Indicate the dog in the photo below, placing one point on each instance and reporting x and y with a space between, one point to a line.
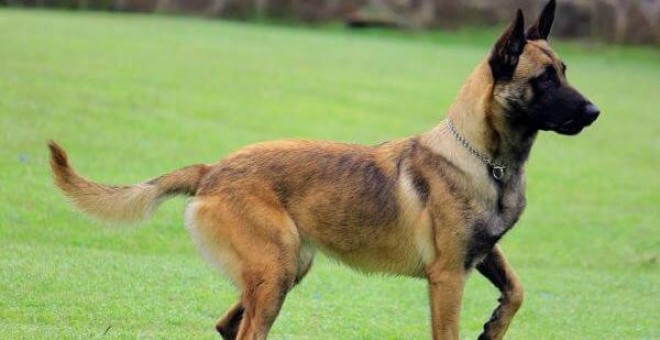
431 206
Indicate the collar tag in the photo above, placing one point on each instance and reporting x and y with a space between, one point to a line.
498 172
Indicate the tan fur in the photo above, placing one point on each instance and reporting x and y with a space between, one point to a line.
413 206
118 203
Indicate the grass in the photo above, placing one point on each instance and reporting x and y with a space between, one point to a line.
134 96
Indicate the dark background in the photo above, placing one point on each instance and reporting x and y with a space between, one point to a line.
618 21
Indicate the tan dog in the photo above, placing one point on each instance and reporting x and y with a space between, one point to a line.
431 206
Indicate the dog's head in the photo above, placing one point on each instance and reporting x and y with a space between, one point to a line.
530 82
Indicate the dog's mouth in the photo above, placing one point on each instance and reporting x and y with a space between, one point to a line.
569 127
572 126
570 123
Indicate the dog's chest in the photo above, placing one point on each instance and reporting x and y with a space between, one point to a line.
492 221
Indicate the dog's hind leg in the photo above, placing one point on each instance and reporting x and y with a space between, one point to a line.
263 296
495 268
229 323
257 245
265 288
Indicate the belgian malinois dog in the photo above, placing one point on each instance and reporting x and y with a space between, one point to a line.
431 206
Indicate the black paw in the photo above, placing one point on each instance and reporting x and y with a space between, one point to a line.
483 336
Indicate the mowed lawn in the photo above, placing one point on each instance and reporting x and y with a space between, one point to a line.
131 97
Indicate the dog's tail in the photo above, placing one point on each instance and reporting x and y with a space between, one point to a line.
121 203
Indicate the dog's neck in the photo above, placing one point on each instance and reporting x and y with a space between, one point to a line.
483 124
481 121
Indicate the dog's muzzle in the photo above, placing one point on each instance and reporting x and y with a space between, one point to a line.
588 114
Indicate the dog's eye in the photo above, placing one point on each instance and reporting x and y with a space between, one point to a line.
548 78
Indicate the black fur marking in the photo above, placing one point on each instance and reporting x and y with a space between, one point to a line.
421 184
345 162
487 326
449 173
556 106
548 79
58 156
419 181
231 330
481 242
377 191
507 50
372 188
493 135
283 193
439 162
492 269
541 29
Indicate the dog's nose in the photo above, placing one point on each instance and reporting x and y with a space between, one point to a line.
591 111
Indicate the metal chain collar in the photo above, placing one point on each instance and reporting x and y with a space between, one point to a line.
497 169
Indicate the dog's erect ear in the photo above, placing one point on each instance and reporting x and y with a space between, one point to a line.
508 48
541 29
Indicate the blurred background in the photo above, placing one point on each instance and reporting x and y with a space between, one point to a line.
135 88
620 21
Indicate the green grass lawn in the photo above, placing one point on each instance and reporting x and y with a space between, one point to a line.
132 97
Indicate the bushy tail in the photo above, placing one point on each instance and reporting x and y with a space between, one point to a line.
121 203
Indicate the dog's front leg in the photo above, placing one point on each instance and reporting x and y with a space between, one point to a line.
446 283
495 268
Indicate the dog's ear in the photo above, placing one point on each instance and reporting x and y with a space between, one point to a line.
541 29
508 48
